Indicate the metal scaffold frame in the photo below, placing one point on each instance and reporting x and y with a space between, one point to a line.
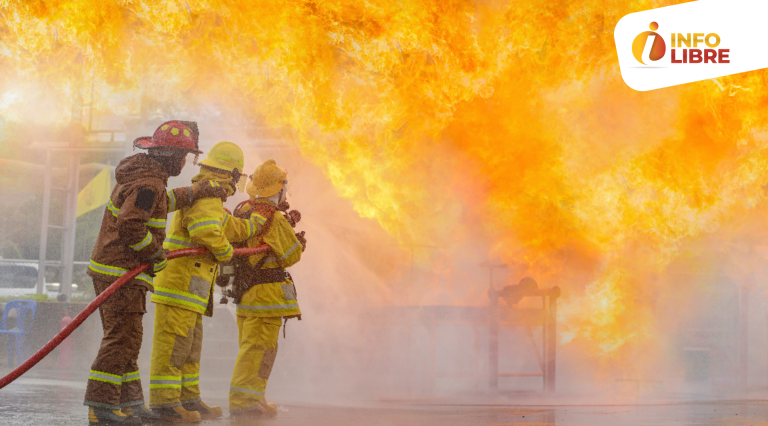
69 226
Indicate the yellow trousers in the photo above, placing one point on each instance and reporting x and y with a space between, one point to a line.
176 346
258 349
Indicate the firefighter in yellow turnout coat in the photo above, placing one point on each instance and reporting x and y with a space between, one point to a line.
184 290
271 295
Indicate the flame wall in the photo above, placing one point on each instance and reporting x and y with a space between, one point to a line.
496 124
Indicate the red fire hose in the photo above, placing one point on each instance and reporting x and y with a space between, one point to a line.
66 331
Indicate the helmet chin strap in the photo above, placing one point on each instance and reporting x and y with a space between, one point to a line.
277 198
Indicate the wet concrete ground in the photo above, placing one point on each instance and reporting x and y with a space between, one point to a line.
50 398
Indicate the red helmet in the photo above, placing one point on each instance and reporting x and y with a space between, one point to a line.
171 134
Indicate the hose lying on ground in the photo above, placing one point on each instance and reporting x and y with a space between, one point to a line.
45 350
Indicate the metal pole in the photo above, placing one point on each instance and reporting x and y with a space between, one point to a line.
744 339
544 340
550 341
409 360
493 328
68 254
44 223
493 336
432 371
493 344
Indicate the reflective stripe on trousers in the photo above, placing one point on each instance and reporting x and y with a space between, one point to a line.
252 392
129 377
268 307
190 379
255 358
165 382
105 377
176 349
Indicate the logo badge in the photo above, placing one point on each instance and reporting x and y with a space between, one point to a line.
692 41
649 46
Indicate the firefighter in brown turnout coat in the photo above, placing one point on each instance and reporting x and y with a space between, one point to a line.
132 232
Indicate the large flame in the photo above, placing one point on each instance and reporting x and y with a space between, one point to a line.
444 120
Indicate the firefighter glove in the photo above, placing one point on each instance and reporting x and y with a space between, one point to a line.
293 217
302 240
207 189
158 262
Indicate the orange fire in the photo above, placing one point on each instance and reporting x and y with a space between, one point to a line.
499 121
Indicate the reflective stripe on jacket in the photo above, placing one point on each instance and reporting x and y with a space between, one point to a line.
273 299
152 222
114 271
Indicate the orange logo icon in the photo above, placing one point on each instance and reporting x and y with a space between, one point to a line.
658 47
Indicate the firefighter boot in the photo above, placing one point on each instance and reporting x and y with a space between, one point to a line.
178 414
104 416
266 409
269 409
205 411
142 412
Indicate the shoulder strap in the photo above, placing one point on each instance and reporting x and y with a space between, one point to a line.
266 228
262 209
238 212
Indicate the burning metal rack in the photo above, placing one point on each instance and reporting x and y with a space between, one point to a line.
491 318
545 317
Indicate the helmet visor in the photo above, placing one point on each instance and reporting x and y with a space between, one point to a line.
287 187
240 180
286 184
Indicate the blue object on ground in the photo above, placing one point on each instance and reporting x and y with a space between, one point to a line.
20 330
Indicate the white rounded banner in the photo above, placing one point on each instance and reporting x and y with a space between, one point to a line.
691 42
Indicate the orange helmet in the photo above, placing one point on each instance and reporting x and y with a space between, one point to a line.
171 134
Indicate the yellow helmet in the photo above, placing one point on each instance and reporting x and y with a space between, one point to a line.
267 180
225 156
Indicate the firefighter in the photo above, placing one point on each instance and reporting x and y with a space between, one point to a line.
184 290
263 290
132 232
